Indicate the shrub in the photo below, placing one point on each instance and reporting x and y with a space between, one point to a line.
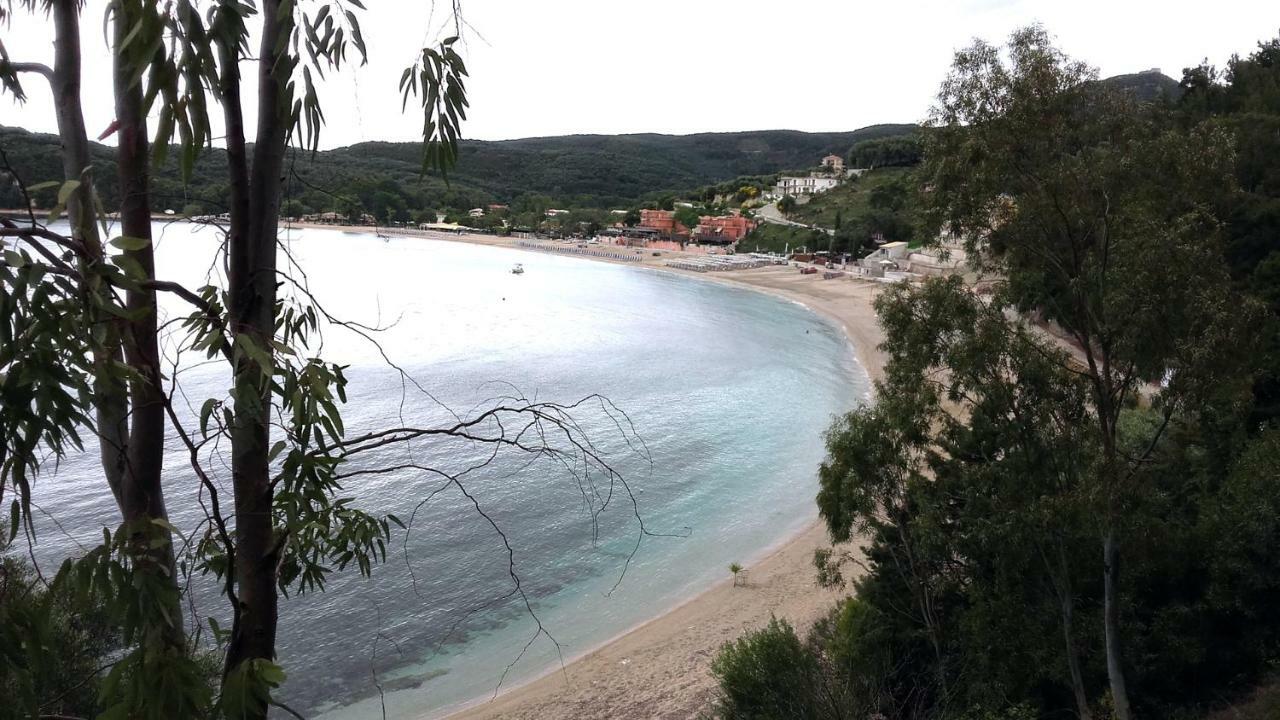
74 632
767 674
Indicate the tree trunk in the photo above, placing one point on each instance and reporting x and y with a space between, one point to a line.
237 158
1111 625
253 296
110 396
1108 418
925 603
1073 655
142 495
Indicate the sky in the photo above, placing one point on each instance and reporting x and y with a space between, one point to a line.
558 67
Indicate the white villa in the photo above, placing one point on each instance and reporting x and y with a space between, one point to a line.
811 185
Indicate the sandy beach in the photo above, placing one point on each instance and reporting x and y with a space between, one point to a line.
661 669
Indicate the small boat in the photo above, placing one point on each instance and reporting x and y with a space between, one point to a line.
518 269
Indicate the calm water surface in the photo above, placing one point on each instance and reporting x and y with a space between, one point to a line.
729 390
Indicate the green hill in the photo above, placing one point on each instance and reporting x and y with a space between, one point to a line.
1147 86
573 170
586 171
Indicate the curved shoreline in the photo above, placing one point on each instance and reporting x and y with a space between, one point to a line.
660 667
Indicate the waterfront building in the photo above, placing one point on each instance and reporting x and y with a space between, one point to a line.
722 230
663 221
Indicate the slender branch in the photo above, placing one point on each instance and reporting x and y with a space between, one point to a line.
216 515
286 708
22 188
33 67
43 233
83 681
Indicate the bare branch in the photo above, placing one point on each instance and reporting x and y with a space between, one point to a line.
32 67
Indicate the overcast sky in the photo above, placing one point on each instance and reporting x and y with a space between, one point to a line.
555 67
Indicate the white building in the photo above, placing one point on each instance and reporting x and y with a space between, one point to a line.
890 251
811 185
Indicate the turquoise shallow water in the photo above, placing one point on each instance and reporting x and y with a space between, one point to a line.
729 390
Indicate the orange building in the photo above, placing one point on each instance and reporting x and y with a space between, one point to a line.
725 229
664 221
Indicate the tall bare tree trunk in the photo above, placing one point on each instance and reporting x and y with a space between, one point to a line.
110 395
237 156
142 494
1111 625
253 296
1104 395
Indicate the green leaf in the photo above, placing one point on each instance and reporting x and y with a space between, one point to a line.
164 523
246 690
14 258
124 242
271 673
133 33
131 267
206 411
64 192
42 186
255 353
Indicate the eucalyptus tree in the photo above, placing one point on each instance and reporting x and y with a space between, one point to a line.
1087 210
79 343
967 473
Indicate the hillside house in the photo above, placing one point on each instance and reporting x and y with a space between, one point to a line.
811 185
834 163
891 251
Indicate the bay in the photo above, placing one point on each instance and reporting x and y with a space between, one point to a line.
716 399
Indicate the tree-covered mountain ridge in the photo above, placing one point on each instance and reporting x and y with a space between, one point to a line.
600 171
581 170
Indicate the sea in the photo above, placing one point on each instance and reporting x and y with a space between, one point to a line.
703 405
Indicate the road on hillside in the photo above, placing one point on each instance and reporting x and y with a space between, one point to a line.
771 214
